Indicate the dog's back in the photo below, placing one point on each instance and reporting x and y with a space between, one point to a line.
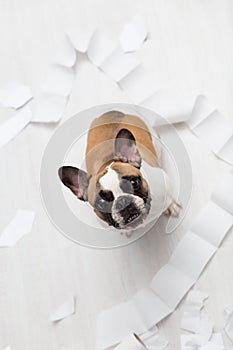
102 133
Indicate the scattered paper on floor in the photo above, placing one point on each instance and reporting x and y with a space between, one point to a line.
20 225
196 320
100 48
138 84
118 65
215 342
66 53
133 34
12 127
64 310
15 94
172 108
50 108
80 38
132 342
59 80
228 326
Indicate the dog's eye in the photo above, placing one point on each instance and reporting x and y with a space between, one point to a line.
136 182
101 204
130 184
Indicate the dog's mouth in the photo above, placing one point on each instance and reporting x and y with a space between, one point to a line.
132 217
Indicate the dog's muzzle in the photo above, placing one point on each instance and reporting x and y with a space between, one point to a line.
129 211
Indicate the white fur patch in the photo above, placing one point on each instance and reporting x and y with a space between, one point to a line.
110 181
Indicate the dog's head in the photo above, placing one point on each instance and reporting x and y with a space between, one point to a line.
118 192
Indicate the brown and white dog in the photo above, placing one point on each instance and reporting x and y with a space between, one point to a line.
113 183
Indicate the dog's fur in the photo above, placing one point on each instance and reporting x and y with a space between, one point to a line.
113 184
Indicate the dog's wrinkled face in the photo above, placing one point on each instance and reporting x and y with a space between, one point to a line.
118 193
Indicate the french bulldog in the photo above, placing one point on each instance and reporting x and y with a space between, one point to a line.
113 183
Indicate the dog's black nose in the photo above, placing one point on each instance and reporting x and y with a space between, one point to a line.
123 202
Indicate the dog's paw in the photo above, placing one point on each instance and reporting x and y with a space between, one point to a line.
173 209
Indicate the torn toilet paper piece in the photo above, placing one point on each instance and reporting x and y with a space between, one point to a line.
172 108
221 131
223 192
65 310
226 152
132 342
196 320
7 348
50 108
153 303
52 100
201 110
12 127
66 54
204 118
133 34
215 342
138 84
59 80
20 225
228 326
80 38
118 64
156 342
100 47
213 223
15 95
195 301
148 334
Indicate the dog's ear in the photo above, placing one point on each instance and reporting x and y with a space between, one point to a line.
126 148
75 179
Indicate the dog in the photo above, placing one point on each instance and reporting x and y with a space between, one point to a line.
113 184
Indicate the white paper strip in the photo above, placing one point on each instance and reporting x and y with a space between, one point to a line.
223 192
14 125
133 34
59 80
228 326
65 310
169 278
215 342
15 95
201 110
212 128
50 108
66 54
7 348
116 323
213 223
196 321
132 342
17 228
138 84
150 307
172 108
80 39
191 255
157 342
214 131
195 302
150 333
226 152
118 64
100 47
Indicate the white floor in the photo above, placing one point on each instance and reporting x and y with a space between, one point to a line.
190 51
